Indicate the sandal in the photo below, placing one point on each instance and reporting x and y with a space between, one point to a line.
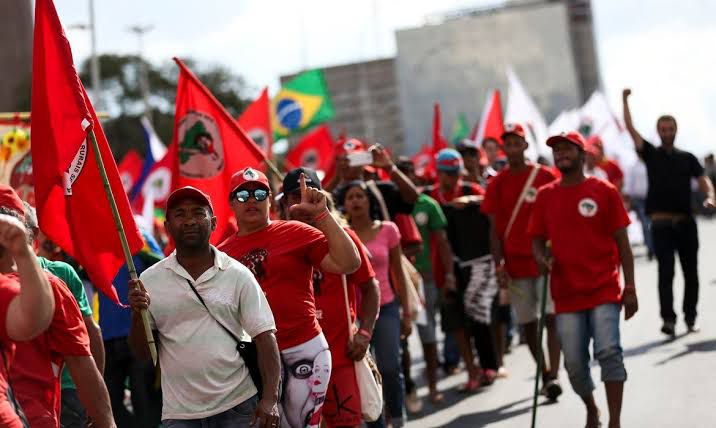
471 386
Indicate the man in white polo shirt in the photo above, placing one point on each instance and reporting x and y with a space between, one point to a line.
204 380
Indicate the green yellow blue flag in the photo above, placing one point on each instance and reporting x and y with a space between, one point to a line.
460 130
301 103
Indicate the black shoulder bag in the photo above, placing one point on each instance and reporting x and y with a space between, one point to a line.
247 350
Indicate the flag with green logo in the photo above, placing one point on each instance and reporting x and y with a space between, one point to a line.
302 102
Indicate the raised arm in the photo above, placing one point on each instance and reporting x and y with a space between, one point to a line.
635 136
31 311
381 159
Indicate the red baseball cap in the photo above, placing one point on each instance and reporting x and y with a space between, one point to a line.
352 145
248 175
9 199
513 128
595 141
188 192
573 137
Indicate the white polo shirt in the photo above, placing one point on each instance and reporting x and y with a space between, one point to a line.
202 372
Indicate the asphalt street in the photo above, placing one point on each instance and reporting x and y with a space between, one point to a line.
671 382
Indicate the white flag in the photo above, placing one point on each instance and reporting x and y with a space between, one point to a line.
522 109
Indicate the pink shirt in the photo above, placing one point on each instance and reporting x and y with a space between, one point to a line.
387 238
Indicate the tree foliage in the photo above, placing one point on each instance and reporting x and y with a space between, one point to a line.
122 96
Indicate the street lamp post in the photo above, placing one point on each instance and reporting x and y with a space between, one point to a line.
140 31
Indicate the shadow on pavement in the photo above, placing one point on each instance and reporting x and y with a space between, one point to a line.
487 417
703 346
647 347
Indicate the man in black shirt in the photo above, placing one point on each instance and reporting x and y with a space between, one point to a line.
668 204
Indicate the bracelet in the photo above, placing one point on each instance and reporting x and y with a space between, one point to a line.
321 216
365 333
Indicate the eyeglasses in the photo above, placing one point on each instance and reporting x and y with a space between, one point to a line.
243 195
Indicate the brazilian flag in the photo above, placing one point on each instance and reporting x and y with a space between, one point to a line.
301 103
460 130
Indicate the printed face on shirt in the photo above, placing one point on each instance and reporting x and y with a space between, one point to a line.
320 377
567 157
251 213
357 202
190 224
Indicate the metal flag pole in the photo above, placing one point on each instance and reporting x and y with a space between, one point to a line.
540 333
123 239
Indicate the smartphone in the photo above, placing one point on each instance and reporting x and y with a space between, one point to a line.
360 159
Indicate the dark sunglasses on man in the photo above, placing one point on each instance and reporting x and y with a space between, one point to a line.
243 195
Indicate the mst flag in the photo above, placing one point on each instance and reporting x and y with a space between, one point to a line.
315 150
256 122
439 141
302 102
130 169
209 146
71 204
491 124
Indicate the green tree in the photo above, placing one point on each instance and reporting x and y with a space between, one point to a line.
122 96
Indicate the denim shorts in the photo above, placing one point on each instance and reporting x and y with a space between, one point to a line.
576 329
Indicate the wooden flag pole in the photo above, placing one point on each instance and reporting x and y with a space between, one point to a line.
273 168
123 239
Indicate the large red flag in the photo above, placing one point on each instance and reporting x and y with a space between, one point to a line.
315 150
439 142
158 183
256 121
209 146
71 203
130 168
491 124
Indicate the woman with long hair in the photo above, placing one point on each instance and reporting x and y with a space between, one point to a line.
382 239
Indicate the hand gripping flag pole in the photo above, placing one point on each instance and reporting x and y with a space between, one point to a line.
123 239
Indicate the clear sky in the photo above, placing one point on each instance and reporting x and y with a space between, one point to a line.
662 49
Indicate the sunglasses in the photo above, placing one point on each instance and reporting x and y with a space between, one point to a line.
243 195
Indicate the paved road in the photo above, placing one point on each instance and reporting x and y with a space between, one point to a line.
672 383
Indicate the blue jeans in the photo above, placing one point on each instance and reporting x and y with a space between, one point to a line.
386 346
576 330
239 416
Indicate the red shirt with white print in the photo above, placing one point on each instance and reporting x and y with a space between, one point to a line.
502 194
580 221
282 257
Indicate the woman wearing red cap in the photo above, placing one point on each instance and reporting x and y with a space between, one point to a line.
282 255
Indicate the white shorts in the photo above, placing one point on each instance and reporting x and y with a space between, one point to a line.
526 297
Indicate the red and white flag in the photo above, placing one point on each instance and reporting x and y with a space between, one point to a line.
71 204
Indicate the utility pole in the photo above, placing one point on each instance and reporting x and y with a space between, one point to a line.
94 59
140 31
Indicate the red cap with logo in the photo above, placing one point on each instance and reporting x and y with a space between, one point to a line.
188 192
351 145
248 175
9 199
573 137
513 128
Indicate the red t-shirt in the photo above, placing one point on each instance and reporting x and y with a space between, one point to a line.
614 173
445 197
331 306
282 257
580 221
500 199
35 373
9 289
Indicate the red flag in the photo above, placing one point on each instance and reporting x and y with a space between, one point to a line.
256 121
315 150
209 146
491 124
158 182
439 142
423 161
129 169
72 207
